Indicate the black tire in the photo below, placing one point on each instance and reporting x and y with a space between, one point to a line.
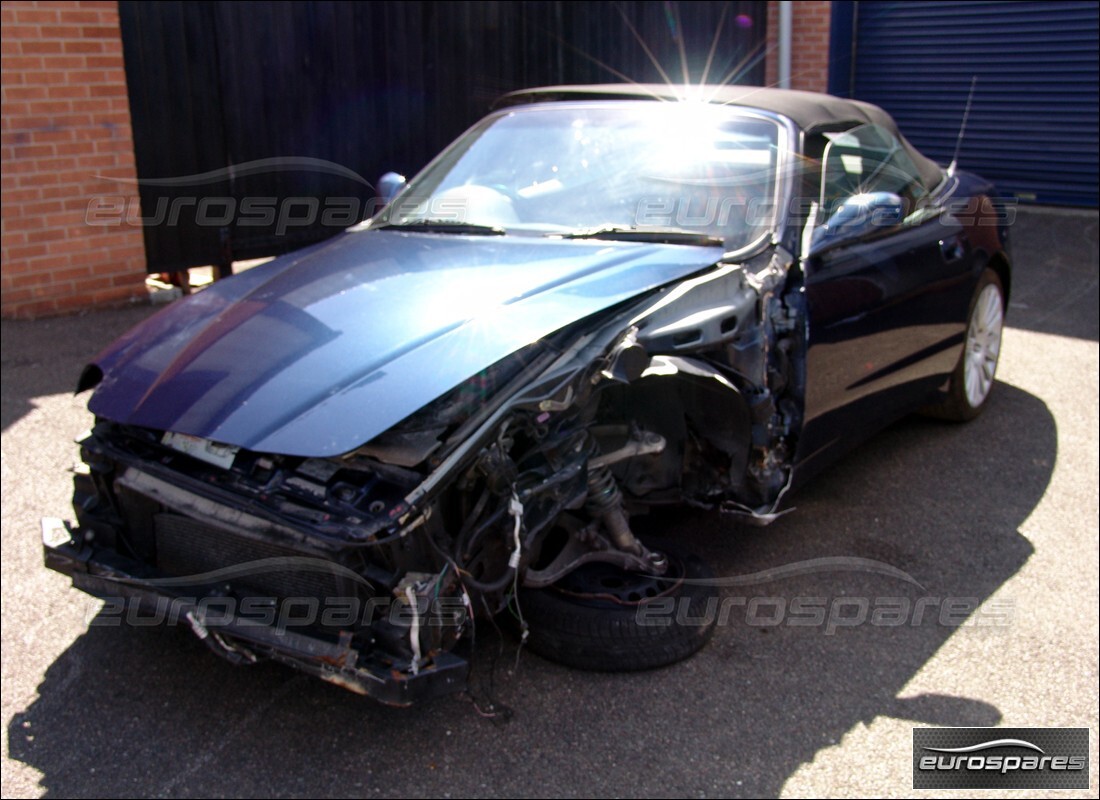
981 349
641 622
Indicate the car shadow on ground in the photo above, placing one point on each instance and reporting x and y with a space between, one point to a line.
128 711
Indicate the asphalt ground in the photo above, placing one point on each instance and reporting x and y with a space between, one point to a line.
995 521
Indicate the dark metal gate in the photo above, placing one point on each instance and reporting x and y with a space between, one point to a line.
1033 124
260 127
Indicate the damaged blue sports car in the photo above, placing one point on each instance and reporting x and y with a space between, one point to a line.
597 300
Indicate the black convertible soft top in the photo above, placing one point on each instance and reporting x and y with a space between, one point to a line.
810 111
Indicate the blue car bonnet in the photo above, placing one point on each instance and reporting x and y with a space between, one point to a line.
318 352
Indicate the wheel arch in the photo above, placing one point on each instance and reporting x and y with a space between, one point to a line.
998 262
687 402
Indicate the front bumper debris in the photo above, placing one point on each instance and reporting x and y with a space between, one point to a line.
104 573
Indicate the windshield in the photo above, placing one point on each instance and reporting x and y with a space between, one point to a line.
604 169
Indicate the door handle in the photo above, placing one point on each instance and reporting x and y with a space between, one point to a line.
952 249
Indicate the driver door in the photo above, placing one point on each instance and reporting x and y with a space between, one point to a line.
885 298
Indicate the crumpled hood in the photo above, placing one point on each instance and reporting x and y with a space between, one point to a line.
318 352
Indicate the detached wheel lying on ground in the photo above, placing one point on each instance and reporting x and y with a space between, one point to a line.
602 618
972 380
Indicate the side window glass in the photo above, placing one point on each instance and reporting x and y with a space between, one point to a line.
865 160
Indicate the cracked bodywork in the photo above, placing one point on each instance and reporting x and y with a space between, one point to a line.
435 423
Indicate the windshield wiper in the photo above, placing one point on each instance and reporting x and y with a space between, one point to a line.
655 235
441 226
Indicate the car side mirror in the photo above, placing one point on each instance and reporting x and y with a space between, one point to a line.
858 216
389 185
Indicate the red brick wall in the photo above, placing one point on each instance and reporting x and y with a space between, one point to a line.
809 45
65 128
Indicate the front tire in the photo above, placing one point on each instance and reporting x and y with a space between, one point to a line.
972 381
604 619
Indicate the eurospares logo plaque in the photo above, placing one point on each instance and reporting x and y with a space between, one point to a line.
1000 758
